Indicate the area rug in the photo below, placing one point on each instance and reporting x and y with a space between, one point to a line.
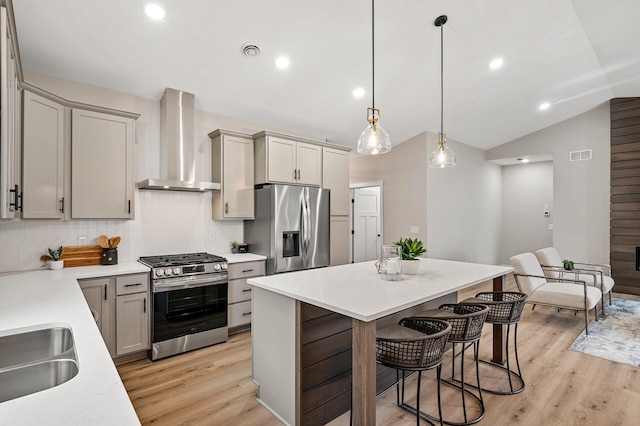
617 337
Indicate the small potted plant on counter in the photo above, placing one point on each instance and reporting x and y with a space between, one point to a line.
234 246
410 250
56 262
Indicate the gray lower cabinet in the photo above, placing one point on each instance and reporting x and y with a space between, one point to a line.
120 306
132 313
99 295
239 314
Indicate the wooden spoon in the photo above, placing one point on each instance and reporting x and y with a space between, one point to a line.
113 242
103 241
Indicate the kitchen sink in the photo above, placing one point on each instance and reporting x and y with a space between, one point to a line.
34 346
33 361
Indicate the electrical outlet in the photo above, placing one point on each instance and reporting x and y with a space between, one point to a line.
414 229
212 236
551 227
81 241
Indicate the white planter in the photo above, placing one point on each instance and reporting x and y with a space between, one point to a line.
56 264
410 267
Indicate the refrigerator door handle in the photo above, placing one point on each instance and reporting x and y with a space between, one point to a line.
305 228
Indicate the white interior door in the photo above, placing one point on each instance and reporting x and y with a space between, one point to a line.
367 230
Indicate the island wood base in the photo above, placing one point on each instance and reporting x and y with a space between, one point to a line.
321 367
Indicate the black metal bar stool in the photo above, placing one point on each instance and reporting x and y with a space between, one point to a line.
414 344
505 307
466 328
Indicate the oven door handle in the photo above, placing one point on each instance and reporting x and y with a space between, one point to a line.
191 283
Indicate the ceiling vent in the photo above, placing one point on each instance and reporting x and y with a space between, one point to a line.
580 155
250 49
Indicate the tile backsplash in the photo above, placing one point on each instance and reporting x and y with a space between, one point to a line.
166 222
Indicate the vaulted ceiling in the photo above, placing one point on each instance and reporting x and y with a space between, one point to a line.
574 54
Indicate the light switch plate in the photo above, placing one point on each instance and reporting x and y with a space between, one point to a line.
414 229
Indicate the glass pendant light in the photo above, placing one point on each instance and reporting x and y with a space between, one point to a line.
374 139
443 156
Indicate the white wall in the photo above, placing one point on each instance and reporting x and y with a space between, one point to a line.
464 206
457 209
580 189
165 222
526 189
404 176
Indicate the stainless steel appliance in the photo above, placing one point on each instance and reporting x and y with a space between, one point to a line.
291 227
189 302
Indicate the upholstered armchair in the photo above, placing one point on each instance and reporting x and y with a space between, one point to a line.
594 274
561 292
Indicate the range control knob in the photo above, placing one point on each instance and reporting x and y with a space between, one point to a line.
224 266
159 272
168 271
216 267
176 271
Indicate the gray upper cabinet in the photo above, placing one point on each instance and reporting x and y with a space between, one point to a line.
43 158
232 166
10 124
101 166
287 159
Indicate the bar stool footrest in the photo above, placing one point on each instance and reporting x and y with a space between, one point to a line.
513 374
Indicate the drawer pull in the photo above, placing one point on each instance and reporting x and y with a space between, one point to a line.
133 285
246 313
247 270
246 289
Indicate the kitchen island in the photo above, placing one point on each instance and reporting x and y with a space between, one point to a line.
299 317
95 396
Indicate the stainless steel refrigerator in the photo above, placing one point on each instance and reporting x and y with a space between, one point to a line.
291 227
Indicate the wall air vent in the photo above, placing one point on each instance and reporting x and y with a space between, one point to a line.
585 154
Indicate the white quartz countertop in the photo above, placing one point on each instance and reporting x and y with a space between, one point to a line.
96 395
242 257
356 290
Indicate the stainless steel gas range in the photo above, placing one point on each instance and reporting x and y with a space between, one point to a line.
189 302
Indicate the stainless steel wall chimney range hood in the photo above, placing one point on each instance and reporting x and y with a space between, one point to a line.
177 146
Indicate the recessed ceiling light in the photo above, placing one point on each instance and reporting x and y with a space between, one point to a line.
544 106
154 11
496 63
358 92
282 62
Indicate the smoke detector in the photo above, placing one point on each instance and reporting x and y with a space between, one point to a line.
250 49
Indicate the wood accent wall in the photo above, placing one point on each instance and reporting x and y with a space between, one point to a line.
625 193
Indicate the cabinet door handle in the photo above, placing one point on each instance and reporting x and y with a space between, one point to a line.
246 270
62 205
133 285
144 305
246 289
129 208
105 292
298 174
246 313
226 207
16 198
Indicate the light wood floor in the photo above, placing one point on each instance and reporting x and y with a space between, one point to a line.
212 386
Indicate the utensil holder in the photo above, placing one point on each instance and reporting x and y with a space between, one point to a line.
109 256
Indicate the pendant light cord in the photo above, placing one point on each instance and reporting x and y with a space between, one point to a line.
441 78
373 56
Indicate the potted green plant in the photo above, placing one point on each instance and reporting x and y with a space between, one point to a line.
234 246
568 264
56 254
410 249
